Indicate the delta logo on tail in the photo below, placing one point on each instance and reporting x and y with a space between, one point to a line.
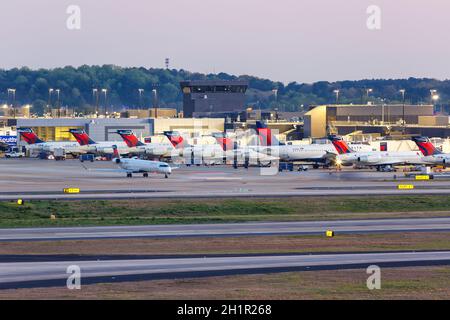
175 138
426 146
225 142
130 138
340 145
29 136
265 135
82 137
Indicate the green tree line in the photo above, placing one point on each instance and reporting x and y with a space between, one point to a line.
122 84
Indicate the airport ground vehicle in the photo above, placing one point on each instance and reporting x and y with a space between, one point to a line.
289 166
14 154
59 154
87 157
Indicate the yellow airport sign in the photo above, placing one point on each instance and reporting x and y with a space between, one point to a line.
423 177
405 187
20 202
329 233
71 190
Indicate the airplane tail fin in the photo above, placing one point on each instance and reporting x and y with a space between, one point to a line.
265 135
82 137
29 136
176 139
340 145
225 142
426 146
130 138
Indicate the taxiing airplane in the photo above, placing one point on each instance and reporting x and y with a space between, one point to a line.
135 165
431 154
382 160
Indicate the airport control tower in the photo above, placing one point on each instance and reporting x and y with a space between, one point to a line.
208 97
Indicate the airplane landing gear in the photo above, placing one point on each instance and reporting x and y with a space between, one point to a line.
145 175
166 176
129 175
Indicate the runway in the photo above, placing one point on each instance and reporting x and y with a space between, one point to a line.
36 274
35 179
231 229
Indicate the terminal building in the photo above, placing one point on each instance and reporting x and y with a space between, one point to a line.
213 98
375 119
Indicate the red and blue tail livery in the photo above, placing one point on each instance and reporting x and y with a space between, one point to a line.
82 137
29 136
175 138
426 146
225 142
340 145
265 135
130 138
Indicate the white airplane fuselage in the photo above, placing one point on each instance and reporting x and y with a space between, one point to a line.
68 146
134 165
382 158
309 152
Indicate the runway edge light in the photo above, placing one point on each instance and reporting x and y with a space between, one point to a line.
329 233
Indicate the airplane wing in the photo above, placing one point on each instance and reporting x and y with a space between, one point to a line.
107 170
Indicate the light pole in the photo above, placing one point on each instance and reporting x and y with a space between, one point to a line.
105 92
368 91
58 107
95 100
141 92
49 104
13 93
155 102
434 97
336 92
403 92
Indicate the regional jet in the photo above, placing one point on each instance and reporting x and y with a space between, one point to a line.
382 160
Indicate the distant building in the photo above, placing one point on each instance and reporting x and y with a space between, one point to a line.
207 97
371 119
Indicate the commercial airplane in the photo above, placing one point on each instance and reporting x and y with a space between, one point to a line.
239 154
382 160
431 154
134 165
224 150
36 144
196 154
104 147
152 149
317 154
